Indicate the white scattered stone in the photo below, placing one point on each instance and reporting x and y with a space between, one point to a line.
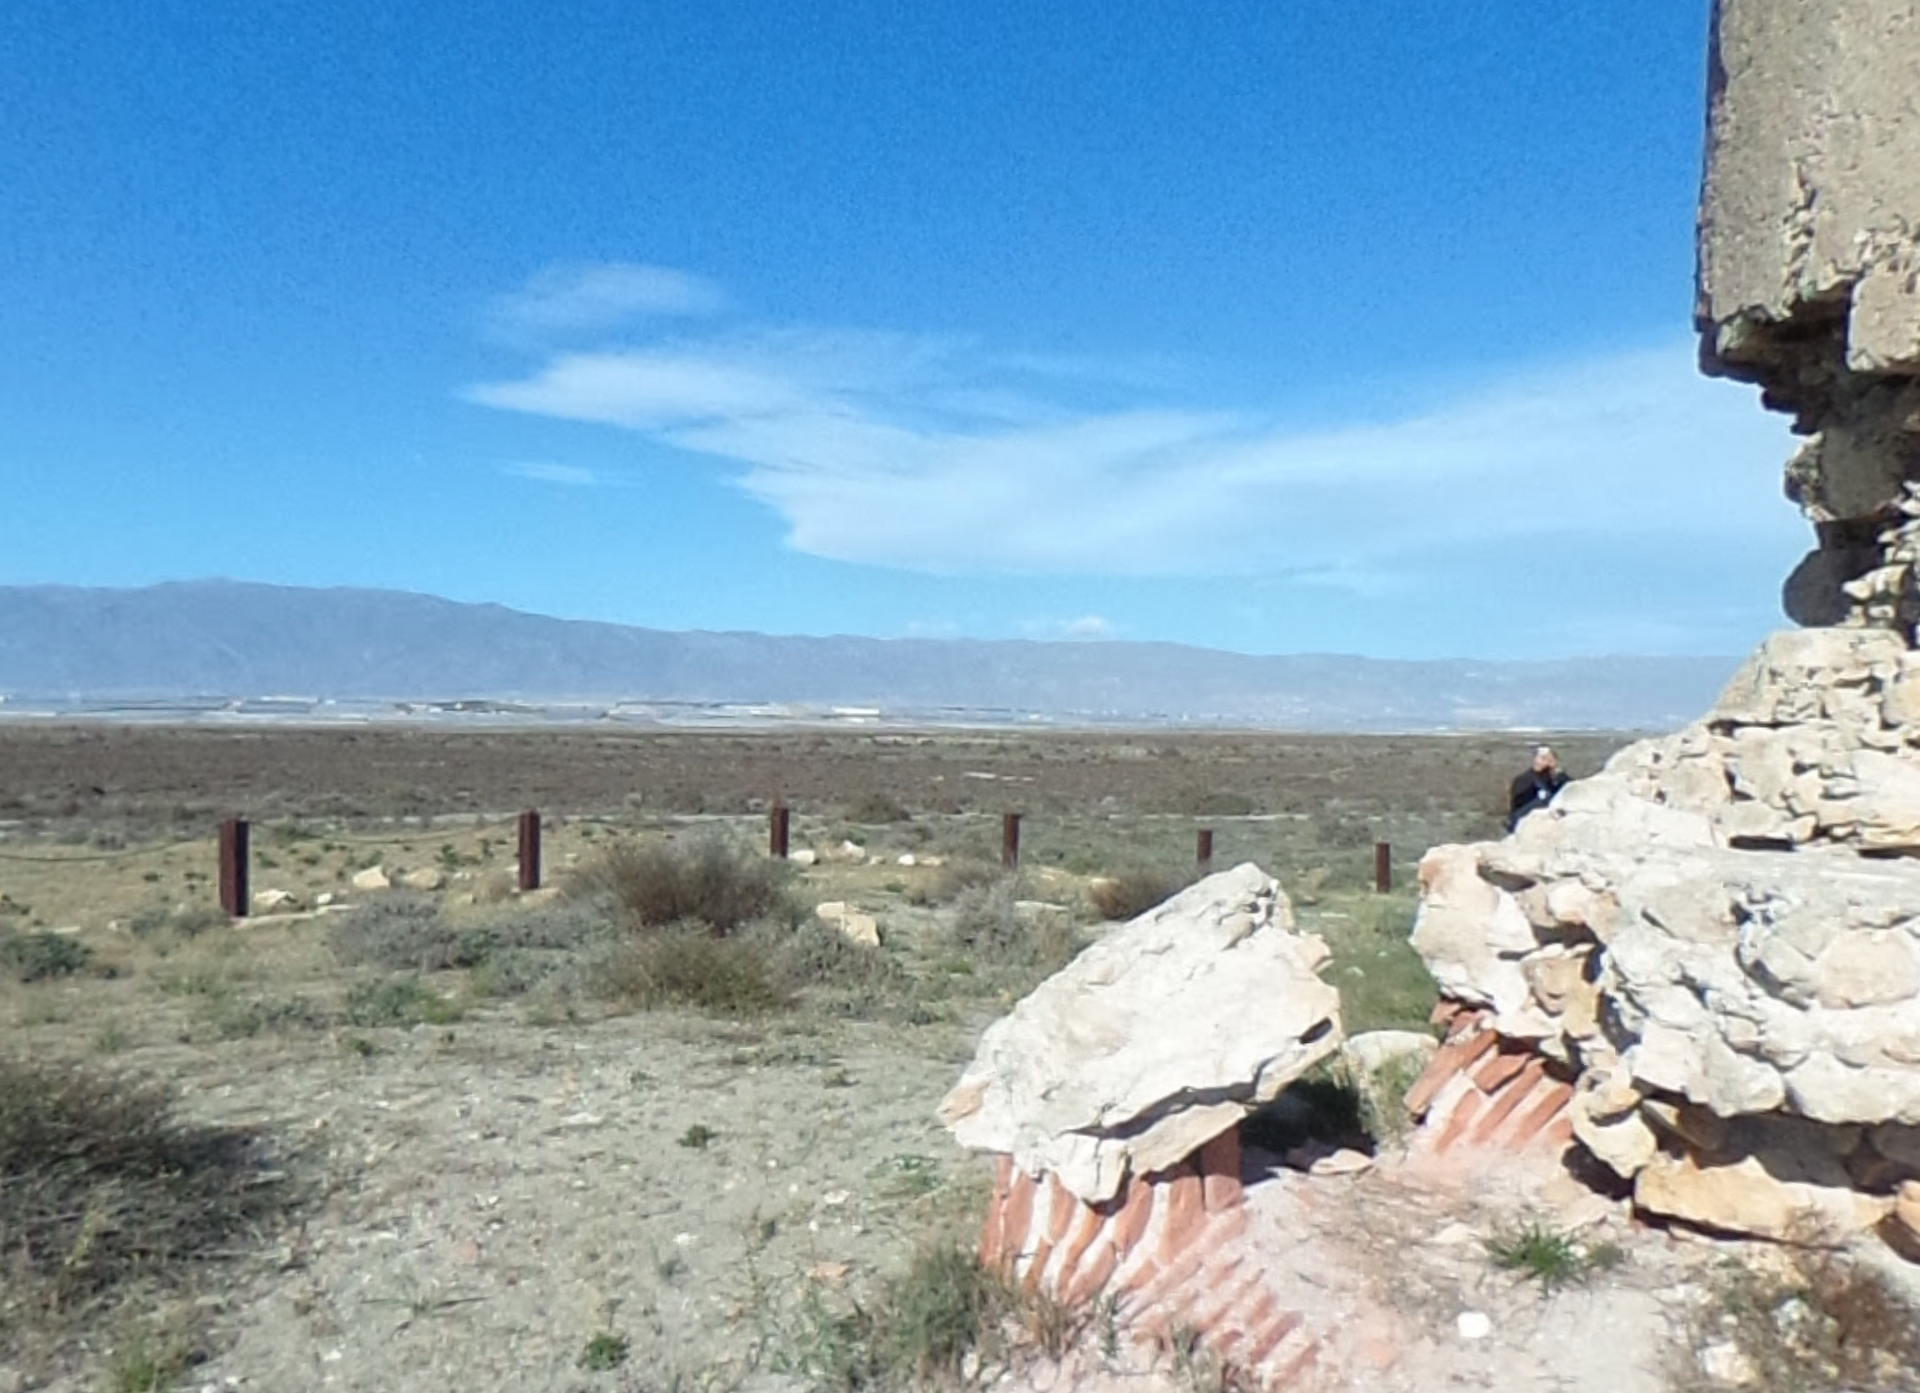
269 900
906 858
323 899
1345 1161
1474 1325
372 878
805 856
1726 1364
425 878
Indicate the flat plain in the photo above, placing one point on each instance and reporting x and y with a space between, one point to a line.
507 1145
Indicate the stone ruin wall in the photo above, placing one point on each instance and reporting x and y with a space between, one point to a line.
1809 274
1716 941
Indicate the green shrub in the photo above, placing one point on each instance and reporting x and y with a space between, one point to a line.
36 957
708 880
401 1001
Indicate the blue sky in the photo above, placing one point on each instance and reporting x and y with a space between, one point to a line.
1286 326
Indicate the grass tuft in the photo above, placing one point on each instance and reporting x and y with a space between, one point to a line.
104 1191
1549 1256
605 1351
916 1329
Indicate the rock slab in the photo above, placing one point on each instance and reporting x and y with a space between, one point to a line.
1153 1041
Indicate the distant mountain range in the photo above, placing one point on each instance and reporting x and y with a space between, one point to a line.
225 638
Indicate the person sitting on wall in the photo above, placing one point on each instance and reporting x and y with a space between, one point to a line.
1536 786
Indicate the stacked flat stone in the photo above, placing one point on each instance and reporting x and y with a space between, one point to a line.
1719 936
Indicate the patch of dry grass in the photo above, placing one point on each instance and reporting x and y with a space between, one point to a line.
1815 1319
705 879
104 1192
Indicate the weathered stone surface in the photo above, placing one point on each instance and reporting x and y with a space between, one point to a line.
372 878
1648 930
1797 1198
1154 1040
424 878
1807 264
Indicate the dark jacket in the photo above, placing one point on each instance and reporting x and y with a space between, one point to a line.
1531 790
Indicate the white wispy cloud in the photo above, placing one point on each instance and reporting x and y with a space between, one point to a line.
936 454
543 472
578 298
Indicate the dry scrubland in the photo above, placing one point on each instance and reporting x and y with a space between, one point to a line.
660 1127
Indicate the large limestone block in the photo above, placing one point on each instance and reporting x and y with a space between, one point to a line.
1885 802
1752 981
1774 1177
1797 676
1154 1040
1757 1196
1812 188
1472 934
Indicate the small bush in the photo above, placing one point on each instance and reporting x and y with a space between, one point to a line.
401 1001
838 976
512 947
688 966
399 932
1130 893
102 1189
242 1020
654 884
36 957
985 925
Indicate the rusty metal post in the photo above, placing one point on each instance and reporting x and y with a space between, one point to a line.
529 850
1203 850
233 867
1382 867
1010 840
779 825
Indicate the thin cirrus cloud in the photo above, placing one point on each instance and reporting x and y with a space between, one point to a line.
544 472
572 300
935 455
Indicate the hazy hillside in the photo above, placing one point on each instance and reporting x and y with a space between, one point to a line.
221 637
